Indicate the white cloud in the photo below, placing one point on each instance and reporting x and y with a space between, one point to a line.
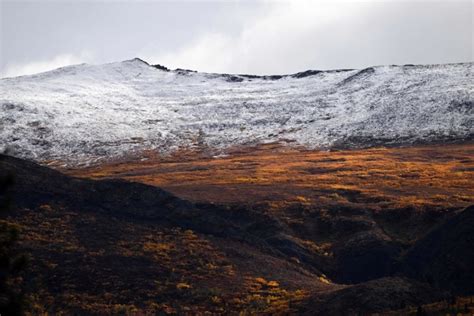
286 31
294 36
272 37
29 68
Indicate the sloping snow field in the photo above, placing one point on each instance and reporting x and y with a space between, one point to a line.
85 113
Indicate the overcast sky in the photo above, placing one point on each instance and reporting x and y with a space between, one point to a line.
257 37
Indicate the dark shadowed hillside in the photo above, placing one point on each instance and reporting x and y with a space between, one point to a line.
445 256
117 246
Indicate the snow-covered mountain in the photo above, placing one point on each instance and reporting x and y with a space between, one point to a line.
82 113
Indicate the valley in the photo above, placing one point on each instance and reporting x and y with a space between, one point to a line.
134 189
267 229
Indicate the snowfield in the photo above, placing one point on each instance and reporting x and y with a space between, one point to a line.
85 113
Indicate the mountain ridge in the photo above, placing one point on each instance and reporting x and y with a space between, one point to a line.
299 74
87 113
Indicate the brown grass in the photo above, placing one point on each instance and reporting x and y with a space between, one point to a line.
440 175
175 271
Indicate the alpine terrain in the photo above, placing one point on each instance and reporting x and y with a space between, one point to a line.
84 113
130 188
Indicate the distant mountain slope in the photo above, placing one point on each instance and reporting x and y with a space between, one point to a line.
86 112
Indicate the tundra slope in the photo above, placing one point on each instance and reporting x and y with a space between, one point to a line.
84 113
84 235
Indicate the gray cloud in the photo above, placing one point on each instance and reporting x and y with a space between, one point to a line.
253 37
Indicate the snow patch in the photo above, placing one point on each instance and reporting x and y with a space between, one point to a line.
84 113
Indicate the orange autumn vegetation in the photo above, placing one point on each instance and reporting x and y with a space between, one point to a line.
188 275
378 178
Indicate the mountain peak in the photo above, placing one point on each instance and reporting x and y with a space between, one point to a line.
136 60
117 108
